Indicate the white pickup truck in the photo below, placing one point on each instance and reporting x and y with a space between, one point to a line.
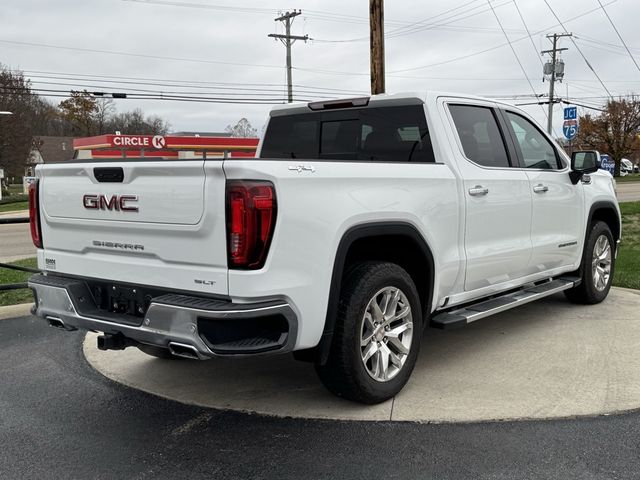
359 222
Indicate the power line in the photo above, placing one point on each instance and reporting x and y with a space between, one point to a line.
223 8
524 72
271 87
448 21
619 36
47 92
602 42
326 72
242 90
171 82
317 14
94 88
463 57
528 32
602 48
423 25
578 48
444 27
137 55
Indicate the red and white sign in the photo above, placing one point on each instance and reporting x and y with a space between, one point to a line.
158 142
168 142
130 141
164 147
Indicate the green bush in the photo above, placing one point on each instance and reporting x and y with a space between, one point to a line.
20 197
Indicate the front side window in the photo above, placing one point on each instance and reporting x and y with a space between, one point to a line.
479 135
377 134
536 150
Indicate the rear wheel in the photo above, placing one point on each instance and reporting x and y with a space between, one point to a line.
597 266
377 336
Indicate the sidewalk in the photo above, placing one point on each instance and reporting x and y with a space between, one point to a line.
15 214
12 311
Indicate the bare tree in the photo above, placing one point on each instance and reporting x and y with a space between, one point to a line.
16 129
105 109
135 123
242 129
615 131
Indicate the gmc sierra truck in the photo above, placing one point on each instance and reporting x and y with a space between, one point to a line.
360 222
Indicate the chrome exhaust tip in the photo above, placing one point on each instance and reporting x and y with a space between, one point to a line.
56 322
183 350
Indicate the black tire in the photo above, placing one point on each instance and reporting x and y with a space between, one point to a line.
157 352
587 292
346 374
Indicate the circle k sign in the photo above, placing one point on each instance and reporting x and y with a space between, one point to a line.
158 141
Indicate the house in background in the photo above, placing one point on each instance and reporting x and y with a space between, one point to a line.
46 150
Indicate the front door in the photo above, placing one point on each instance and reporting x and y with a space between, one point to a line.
558 207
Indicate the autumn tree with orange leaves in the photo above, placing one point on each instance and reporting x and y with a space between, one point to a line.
615 131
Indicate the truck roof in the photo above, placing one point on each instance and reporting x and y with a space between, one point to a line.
385 99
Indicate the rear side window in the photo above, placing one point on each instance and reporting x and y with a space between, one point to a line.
480 136
377 134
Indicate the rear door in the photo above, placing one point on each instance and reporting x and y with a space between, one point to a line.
159 223
497 199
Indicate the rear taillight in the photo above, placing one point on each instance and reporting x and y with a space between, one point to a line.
34 214
251 218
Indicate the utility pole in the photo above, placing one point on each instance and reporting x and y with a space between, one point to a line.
287 39
376 42
555 69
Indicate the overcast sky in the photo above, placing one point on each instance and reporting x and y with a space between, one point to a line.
219 48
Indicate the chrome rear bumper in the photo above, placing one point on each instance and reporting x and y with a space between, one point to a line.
209 328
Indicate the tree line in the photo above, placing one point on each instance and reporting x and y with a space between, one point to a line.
80 115
614 131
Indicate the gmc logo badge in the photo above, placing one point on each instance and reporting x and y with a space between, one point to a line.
114 202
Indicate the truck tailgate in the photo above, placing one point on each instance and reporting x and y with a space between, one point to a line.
159 223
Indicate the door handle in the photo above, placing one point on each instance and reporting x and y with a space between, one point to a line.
478 190
540 188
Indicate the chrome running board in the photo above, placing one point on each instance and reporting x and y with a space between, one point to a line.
461 316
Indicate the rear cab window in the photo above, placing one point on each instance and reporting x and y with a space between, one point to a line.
480 136
376 134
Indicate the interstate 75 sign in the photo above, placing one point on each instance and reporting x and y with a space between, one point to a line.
570 125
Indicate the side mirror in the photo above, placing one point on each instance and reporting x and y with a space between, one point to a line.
583 162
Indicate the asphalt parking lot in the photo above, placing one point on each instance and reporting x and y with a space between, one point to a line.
60 419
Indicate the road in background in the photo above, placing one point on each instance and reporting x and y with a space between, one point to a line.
628 192
15 242
60 419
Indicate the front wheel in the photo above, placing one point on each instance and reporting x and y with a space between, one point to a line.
377 335
597 266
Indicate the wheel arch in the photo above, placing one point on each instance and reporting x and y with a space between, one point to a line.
608 213
373 241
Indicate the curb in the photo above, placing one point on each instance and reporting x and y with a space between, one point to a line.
12 311
630 290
